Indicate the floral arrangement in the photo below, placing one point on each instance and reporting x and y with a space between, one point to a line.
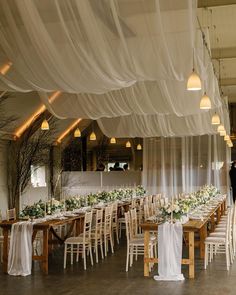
38 209
72 203
181 207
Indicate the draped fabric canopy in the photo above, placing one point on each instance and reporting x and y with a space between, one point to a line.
175 165
122 62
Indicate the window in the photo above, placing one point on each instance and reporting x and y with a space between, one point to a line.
38 176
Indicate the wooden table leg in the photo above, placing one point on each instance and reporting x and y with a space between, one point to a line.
191 255
5 249
146 252
45 252
203 235
218 214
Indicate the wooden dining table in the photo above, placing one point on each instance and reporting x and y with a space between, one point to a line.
189 228
49 236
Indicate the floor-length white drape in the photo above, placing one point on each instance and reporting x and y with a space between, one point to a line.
170 244
175 165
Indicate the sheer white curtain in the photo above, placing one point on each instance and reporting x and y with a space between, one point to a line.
174 165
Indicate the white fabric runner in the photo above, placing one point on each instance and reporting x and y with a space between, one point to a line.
20 254
170 237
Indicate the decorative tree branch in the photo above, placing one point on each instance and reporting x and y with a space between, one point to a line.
31 149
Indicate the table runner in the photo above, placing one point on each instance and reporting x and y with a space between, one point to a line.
20 253
170 242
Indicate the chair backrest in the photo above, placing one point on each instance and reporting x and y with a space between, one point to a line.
133 203
146 211
229 225
128 227
134 222
99 222
115 212
141 202
11 214
108 218
87 224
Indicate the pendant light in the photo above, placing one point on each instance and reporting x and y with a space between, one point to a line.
205 103
113 140
229 143
139 147
220 128
92 136
222 133
215 120
77 132
194 81
226 137
128 144
45 125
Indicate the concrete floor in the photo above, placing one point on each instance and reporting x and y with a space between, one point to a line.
109 277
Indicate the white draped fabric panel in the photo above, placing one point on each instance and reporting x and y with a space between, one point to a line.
111 59
175 165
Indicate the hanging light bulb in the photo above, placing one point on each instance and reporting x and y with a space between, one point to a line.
205 103
194 82
128 144
77 132
222 133
226 137
220 128
93 136
113 140
45 125
139 147
215 120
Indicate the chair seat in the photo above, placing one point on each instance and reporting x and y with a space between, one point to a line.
76 240
215 240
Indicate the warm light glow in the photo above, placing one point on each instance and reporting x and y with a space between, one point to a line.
215 120
68 130
229 143
92 136
194 82
139 147
128 144
222 133
77 132
220 128
5 68
37 113
45 125
113 140
226 138
205 103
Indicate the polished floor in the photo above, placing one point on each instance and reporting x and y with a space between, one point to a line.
109 277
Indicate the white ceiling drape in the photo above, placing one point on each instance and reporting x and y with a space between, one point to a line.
122 62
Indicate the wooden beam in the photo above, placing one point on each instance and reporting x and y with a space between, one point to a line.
212 3
228 82
222 53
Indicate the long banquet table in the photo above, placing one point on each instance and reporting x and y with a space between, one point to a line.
189 229
47 227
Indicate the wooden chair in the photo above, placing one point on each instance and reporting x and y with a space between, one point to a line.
11 214
81 243
97 233
115 224
107 229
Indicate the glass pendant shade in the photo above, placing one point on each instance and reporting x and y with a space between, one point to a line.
77 133
128 144
226 137
220 128
92 136
205 103
139 147
194 82
45 125
113 140
222 133
215 120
